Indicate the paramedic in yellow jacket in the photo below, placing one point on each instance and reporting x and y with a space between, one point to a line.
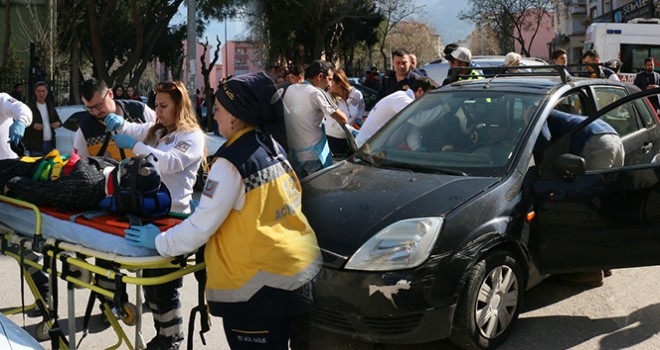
261 253
92 137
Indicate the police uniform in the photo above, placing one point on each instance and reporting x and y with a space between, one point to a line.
92 138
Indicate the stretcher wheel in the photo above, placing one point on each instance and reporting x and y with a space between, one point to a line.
130 314
41 332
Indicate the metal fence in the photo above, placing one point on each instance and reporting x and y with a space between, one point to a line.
58 88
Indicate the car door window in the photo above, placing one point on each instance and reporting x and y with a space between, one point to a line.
572 103
645 112
623 119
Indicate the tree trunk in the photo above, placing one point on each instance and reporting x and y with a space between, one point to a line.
5 43
74 78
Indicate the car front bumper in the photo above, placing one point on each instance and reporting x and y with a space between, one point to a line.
397 307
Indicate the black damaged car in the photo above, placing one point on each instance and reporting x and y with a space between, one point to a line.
440 222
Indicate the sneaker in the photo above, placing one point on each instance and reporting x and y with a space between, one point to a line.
588 279
161 342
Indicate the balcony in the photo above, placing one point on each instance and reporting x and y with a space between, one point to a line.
577 10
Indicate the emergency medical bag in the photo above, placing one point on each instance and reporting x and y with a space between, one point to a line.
137 188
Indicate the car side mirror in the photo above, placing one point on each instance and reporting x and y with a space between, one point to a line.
568 166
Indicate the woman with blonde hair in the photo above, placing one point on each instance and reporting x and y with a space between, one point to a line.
176 139
350 101
179 144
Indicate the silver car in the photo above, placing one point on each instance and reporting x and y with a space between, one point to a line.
438 69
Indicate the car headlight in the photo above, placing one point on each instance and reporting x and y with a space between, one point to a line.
401 245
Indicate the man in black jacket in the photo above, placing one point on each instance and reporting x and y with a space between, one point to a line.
649 79
40 135
402 76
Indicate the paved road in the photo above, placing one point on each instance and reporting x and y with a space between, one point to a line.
622 314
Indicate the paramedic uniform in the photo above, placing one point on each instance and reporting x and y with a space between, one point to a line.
261 252
92 134
11 110
179 155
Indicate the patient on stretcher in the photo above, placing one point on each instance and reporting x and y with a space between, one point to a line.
91 183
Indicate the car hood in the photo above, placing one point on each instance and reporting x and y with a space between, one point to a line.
349 203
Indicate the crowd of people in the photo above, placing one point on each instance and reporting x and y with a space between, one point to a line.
280 126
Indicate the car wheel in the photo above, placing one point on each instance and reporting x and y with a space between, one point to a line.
490 302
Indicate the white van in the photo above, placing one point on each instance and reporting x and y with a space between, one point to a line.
437 70
630 42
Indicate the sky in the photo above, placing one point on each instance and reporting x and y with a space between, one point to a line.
442 14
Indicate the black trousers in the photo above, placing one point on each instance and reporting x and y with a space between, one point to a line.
254 331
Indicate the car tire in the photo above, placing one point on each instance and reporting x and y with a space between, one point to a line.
490 302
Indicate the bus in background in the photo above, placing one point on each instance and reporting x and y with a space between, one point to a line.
630 42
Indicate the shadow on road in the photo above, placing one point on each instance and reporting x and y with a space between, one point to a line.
565 332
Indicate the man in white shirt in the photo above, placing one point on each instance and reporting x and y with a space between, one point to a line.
15 116
390 105
40 136
306 105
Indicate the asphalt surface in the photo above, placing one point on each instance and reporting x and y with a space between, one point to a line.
622 314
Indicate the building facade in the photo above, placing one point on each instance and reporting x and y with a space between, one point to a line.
241 57
574 16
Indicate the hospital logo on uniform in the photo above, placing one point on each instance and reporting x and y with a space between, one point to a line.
182 146
209 188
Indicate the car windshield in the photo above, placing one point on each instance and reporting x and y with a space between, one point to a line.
456 132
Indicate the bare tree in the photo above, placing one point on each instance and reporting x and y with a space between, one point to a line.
484 40
511 18
206 71
5 43
393 12
416 37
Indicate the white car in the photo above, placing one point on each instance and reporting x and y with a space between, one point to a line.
437 70
71 115
14 337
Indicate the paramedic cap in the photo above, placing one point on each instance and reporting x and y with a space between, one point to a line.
460 54
252 98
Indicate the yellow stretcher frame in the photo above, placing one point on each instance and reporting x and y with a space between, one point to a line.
66 253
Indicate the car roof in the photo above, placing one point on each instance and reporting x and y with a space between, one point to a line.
541 84
438 69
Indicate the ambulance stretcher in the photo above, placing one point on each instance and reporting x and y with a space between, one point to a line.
67 245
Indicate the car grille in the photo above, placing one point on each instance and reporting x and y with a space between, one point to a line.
332 319
333 260
373 325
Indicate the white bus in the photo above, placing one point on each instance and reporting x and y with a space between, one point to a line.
630 42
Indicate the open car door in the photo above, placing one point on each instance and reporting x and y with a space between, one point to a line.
600 219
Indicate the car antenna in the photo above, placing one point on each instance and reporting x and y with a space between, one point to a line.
487 85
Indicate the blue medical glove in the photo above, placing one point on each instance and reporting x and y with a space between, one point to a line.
113 122
124 141
16 131
142 236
